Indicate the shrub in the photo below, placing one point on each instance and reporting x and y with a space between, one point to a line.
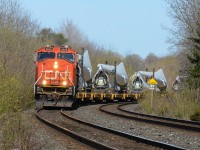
196 115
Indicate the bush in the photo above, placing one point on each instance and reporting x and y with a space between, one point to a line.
14 99
196 115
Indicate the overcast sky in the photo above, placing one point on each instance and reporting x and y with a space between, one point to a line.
128 26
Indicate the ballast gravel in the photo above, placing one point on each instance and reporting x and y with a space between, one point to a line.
179 138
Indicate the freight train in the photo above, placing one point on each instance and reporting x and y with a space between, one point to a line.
63 77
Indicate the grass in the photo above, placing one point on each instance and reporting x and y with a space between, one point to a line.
182 105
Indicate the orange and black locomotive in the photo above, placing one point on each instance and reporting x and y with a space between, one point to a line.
55 75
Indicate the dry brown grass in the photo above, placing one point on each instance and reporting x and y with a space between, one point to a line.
177 105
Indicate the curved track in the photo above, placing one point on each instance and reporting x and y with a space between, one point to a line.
144 141
90 143
163 121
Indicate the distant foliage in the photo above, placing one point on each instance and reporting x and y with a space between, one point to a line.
135 62
151 59
59 39
194 58
47 34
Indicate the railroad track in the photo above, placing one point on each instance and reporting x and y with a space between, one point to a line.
113 139
90 143
146 143
163 121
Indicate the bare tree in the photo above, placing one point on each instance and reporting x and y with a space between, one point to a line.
186 17
14 17
75 36
135 61
150 59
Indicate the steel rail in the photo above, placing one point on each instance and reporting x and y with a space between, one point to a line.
126 135
171 122
75 136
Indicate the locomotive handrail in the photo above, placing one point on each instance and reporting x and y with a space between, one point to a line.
73 85
37 81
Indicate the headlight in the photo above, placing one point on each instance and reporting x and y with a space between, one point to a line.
64 83
55 65
44 82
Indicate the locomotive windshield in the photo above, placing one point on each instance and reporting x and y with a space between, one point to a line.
65 56
45 55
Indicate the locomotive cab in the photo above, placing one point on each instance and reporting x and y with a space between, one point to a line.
55 77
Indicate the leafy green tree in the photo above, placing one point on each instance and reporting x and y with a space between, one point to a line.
194 58
47 34
59 39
